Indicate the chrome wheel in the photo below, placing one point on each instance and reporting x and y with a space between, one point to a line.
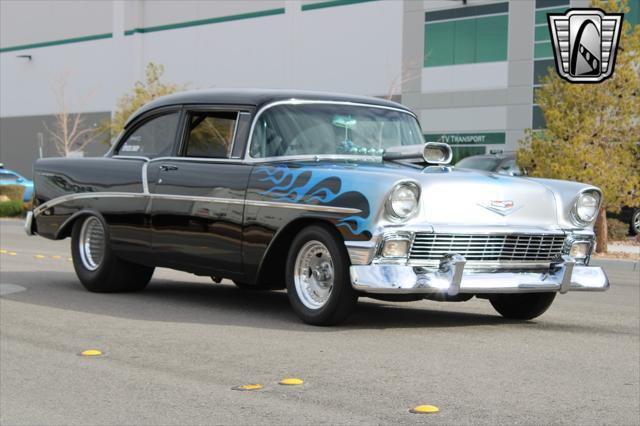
314 274
92 243
636 222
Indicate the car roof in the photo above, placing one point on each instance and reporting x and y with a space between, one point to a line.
254 98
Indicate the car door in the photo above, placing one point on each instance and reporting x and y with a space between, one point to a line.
198 195
152 135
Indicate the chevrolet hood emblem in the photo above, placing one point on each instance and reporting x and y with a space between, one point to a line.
502 207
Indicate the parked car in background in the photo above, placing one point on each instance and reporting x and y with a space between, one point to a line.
630 215
319 193
497 162
505 164
9 177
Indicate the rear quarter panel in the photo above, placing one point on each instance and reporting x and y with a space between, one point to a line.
119 197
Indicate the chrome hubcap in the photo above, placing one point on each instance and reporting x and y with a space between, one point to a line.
313 274
92 243
636 223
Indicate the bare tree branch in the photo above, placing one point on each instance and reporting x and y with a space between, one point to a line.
68 132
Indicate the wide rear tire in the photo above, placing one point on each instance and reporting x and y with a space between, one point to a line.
524 306
97 267
317 276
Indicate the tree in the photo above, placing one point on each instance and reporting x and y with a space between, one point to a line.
410 70
592 131
69 132
143 92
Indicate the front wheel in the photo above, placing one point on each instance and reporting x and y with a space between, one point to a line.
317 275
522 306
97 267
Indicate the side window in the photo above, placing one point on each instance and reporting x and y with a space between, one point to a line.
211 134
154 138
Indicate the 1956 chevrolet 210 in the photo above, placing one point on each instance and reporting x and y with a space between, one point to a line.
332 196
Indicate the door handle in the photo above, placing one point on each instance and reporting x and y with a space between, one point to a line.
168 167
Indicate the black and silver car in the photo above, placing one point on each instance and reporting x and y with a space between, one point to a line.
331 196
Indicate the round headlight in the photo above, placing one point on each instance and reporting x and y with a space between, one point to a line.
586 208
403 200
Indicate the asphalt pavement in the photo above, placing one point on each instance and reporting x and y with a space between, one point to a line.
172 353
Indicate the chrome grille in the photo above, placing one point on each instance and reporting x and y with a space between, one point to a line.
489 248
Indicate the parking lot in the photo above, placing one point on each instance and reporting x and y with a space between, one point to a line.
172 353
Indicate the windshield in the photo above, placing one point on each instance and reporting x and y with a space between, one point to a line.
482 163
331 129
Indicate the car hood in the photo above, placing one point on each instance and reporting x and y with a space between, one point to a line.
456 197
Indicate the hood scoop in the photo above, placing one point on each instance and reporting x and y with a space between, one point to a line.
429 153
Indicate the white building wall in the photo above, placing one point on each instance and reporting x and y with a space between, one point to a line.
351 48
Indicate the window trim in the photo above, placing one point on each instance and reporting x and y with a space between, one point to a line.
184 145
188 109
141 121
315 157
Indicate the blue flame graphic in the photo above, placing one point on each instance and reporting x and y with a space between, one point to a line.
360 224
288 191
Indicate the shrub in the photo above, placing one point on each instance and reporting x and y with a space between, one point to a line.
11 208
618 230
14 192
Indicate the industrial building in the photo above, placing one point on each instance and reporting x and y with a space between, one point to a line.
467 68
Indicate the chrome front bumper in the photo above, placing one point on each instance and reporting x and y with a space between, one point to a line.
451 278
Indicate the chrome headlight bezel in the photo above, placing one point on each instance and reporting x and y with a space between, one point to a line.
391 212
577 218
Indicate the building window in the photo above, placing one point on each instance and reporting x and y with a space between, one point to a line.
466 35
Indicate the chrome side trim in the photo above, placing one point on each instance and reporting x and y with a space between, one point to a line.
82 196
293 101
196 198
145 178
89 195
309 207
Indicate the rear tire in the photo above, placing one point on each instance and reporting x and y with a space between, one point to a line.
522 306
97 267
317 276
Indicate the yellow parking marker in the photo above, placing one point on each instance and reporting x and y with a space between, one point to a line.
39 256
56 257
291 381
249 387
425 409
3 251
91 352
12 253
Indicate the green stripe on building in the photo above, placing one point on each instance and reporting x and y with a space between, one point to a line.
208 21
57 42
489 138
331 3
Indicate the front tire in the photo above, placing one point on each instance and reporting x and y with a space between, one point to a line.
97 267
317 276
522 306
